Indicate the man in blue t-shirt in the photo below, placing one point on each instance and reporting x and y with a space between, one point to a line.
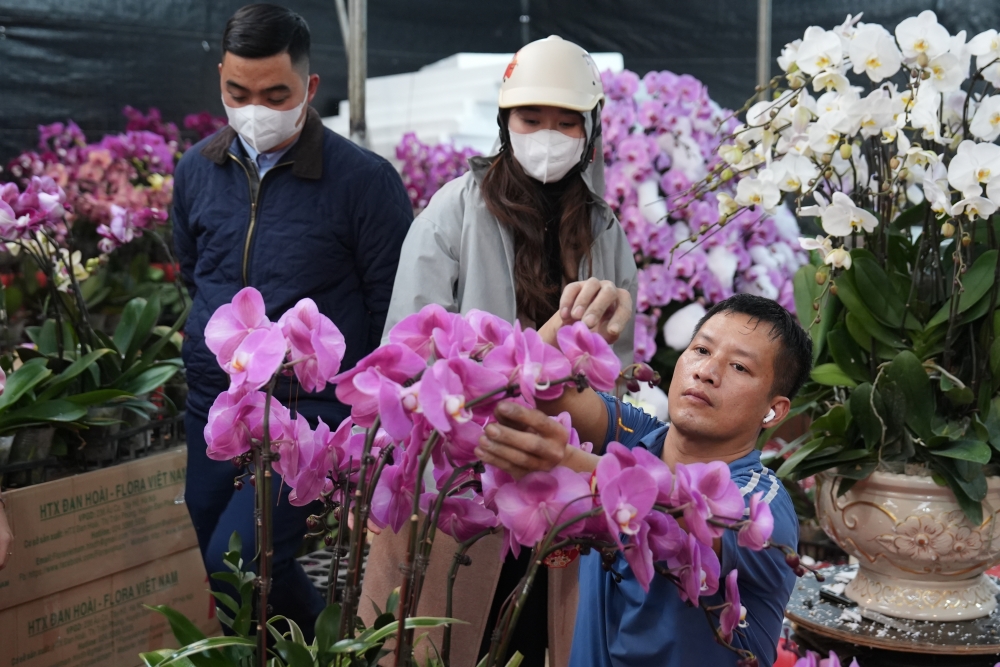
746 361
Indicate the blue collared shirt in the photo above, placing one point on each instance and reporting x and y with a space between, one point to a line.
620 625
264 161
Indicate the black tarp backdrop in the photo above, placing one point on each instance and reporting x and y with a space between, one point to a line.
86 59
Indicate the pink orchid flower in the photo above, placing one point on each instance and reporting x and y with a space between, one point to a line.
316 344
232 322
734 614
666 537
292 446
574 438
617 458
3 381
491 331
462 518
757 530
236 419
533 505
627 499
397 363
257 358
434 332
531 363
395 403
493 479
590 356
392 500
706 491
697 567
317 461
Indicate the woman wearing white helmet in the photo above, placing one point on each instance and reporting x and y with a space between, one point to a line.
525 235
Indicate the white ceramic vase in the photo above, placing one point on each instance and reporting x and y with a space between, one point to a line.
920 557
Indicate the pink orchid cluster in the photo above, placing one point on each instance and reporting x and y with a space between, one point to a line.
661 135
811 659
426 397
38 207
426 168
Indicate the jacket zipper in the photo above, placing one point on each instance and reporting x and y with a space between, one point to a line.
254 202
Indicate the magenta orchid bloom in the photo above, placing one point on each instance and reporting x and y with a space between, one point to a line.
757 530
445 389
234 321
434 332
531 363
493 479
734 613
531 506
697 567
395 403
627 498
235 419
462 518
394 362
491 331
294 448
257 358
590 356
316 344
666 537
317 461
574 438
706 491
392 500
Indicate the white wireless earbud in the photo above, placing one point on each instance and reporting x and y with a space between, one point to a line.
770 416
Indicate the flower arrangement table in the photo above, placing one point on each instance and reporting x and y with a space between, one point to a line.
825 624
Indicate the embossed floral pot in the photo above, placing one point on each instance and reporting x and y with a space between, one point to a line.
919 555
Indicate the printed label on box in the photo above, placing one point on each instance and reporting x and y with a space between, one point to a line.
81 528
104 622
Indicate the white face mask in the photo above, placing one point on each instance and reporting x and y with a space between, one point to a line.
547 155
263 127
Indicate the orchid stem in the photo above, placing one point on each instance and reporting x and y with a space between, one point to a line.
461 558
265 551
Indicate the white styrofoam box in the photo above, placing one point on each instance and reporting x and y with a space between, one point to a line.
452 100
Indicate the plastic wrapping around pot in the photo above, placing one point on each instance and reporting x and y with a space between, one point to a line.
101 442
29 444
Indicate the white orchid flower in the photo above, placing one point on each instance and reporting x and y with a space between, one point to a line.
831 80
679 328
947 74
820 50
960 49
793 172
730 154
839 259
993 190
974 207
727 205
759 191
842 217
652 204
986 47
722 262
848 30
922 34
815 210
935 185
925 113
823 134
973 166
985 123
821 244
789 54
874 52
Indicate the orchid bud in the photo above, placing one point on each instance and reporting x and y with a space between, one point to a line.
795 82
645 373
903 173
894 163
821 277
923 60
312 522
833 289
845 151
816 304
238 461
774 112
828 173
238 485
726 174
632 385
792 559
793 102
703 229
253 481
925 74
947 230
966 240
826 159
328 540
731 154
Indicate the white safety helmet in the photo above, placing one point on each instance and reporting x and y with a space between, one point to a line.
552 72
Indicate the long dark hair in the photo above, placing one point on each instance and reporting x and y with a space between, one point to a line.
516 200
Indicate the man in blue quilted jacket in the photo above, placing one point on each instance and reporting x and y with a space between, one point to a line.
276 201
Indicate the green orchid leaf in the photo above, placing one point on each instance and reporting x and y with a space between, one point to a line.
875 290
910 378
975 284
832 376
849 294
788 468
966 450
847 355
866 408
23 380
327 628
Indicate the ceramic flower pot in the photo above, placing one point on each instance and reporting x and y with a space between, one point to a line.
920 557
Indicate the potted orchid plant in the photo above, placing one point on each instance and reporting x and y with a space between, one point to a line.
418 406
887 140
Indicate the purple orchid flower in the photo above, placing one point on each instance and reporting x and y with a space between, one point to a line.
316 345
392 500
533 505
589 355
697 567
434 332
627 499
759 525
734 613
706 491
257 358
666 537
397 363
234 321
491 331
462 518
321 457
235 419
531 363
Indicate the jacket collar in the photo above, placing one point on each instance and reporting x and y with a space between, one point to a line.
307 153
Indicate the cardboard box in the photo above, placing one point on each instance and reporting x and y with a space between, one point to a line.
104 623
83 528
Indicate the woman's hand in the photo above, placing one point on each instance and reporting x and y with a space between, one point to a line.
599 304
6 539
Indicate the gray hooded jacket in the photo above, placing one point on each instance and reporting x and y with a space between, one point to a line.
458 255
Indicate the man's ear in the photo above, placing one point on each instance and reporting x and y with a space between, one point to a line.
781 405
312 87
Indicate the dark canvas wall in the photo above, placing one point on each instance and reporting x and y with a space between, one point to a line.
86 59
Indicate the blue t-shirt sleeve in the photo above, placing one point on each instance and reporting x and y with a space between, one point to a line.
765 579
627 424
